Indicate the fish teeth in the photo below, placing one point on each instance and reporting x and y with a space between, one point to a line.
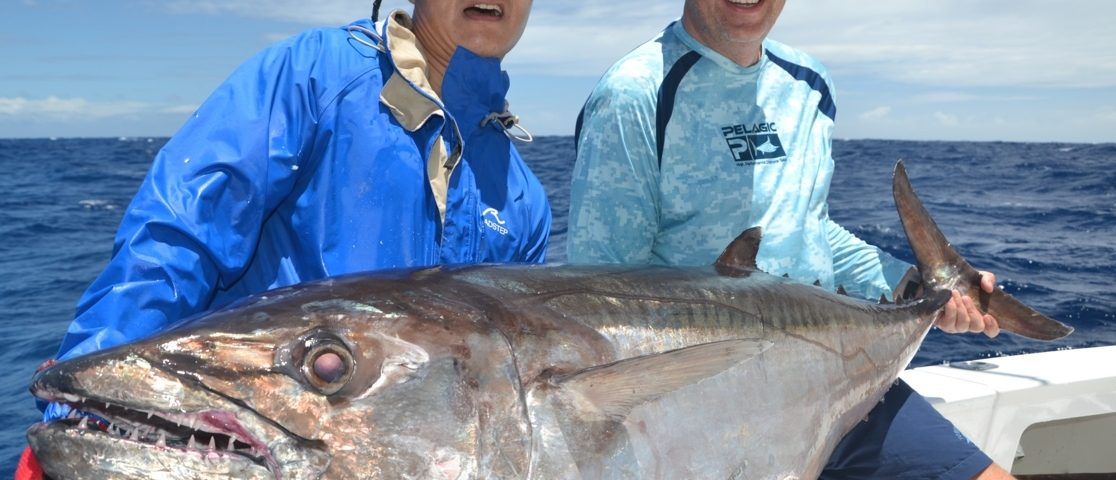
212 444
84 423
232 440
191 444
162 442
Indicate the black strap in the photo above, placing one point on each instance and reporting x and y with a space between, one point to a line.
376 10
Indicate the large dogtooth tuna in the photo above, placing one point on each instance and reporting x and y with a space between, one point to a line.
538 372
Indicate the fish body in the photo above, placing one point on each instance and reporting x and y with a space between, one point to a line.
535 372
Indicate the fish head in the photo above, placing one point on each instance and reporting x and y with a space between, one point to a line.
343 379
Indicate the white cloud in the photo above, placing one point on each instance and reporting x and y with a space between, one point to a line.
946 119
946 42
317 12
180 109
56 108
876 114
958 42
1108 116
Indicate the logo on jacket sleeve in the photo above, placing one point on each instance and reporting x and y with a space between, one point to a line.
755 143
493 221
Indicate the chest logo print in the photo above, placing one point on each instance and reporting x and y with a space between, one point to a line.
493 221
754 144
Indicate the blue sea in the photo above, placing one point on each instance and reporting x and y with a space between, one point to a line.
1040 215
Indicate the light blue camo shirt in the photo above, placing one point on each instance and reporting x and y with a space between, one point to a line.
680 149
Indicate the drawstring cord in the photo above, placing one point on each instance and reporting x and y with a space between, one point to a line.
379 45
507 121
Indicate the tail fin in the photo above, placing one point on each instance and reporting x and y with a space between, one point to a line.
942 268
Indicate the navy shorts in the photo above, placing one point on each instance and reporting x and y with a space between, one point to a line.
904 437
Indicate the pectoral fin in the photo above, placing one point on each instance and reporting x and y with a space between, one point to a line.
616 388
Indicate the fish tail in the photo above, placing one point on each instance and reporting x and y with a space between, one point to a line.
942 268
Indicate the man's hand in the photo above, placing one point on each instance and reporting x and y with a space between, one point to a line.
961 315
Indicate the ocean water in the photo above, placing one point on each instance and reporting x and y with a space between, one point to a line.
1040 215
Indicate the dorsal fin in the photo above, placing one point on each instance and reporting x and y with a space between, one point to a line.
841 290
615 388
739 257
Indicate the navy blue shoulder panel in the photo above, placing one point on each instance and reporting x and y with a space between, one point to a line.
665 107
577 127
813 79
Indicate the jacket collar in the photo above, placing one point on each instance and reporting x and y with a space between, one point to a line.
407 93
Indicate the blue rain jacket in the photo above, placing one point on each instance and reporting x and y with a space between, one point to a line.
317 158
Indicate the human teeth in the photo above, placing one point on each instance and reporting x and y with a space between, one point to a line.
486 6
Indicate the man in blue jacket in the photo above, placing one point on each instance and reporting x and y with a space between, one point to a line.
711 128
366 147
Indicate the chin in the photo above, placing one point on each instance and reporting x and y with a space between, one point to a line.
487 50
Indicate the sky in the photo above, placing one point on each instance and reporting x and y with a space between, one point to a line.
988 70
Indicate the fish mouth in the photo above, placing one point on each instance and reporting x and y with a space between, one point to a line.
214 436
211 442
143 418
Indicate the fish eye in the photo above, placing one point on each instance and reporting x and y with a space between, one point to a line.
327 364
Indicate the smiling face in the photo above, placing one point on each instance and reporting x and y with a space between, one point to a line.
489 28
733 28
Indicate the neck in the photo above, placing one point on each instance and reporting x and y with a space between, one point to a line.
741 53
745 57
437 55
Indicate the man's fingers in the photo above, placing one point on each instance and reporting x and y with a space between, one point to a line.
991 326
987 281
947 320
971 320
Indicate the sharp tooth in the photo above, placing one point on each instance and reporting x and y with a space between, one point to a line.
212 444
191 444
108 405
135 435
149 415
83 424
162 440
232 440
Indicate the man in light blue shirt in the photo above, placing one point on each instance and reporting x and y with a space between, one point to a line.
711 128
